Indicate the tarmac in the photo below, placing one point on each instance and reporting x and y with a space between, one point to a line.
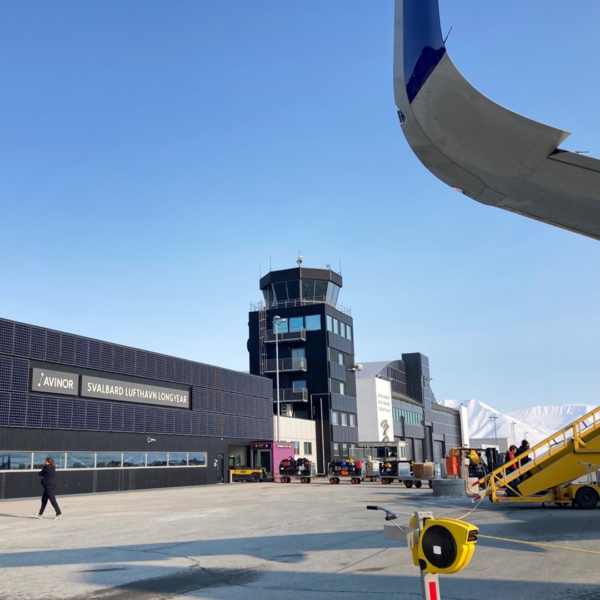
269 541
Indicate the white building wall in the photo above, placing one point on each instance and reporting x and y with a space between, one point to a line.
385 416
298 430
503 444
374 404
366 410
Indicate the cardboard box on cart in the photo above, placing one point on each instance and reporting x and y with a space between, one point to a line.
423 470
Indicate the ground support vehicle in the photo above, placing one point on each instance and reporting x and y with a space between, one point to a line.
247 474
466 462
549 472
418 483
393 469
400 470
290 468
403 472
346 470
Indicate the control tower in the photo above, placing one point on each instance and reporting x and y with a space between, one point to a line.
301 335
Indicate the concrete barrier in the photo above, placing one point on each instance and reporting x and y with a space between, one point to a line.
449 487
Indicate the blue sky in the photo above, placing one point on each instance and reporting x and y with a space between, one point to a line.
156 156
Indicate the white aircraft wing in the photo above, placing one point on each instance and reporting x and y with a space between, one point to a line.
487 152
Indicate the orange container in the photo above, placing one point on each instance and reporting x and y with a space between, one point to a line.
452 466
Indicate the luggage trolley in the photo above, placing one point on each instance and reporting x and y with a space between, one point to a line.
346 469
419 472
395 469
403 471
290 468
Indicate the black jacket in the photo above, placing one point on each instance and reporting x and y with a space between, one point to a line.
523 450
48 475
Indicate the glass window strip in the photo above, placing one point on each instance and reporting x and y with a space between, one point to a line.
16 461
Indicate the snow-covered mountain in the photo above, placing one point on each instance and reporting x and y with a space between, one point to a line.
482 426
552 418
535 424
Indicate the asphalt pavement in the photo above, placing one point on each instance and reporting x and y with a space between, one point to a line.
269 541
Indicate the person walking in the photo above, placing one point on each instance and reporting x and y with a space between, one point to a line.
48 475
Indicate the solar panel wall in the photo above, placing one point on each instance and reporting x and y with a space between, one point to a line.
224 403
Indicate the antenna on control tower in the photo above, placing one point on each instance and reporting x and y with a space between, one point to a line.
299 259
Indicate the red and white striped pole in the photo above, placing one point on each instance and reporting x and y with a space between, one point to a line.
430 585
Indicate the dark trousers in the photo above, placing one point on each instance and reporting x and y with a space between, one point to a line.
49 495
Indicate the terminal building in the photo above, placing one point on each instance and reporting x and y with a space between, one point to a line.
302 339
118 418
396 402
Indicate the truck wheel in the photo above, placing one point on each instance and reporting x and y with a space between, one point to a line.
408 483
430 485
254 478
586 498
353 481
337 479
418 484
332 480
302 479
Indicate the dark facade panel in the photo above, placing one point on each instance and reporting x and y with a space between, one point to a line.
7 336
337 371
339 433
414 376
344 403
414 431
452 441
340 343
65 352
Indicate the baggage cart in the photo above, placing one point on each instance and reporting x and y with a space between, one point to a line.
291 468
346 470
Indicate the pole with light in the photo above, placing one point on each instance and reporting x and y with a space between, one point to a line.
493 419
277 320
322 427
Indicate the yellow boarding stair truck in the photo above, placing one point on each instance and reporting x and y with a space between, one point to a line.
554 467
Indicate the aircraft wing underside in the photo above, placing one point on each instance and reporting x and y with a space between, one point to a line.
489 153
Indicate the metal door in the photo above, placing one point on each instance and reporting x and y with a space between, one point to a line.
262 460
220 467
438 452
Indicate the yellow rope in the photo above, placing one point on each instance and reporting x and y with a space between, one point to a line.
552 546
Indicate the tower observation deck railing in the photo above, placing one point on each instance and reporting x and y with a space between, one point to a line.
285 336
285 365
258 306
291 395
